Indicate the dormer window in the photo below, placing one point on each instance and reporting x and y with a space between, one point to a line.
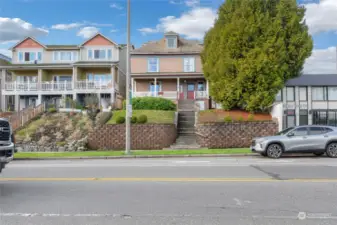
171 42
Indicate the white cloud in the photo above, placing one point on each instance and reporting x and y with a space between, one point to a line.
114 30
176 2
66 26
6 52
322 16
192 24
322 61
13 29
192 3
87 32
116 6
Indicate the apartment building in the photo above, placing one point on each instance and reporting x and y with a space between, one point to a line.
44 72
308 99
170 68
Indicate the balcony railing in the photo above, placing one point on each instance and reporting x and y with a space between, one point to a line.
200 94
58 86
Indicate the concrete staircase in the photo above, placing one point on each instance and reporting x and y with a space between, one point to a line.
186 132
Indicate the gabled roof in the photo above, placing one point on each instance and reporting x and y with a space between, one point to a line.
171 33
98 34
314 80
62 46
5 58
25 40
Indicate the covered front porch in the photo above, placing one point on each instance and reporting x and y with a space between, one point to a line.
171 88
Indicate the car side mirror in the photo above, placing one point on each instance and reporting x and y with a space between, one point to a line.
290 134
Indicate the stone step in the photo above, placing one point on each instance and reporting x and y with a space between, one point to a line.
186 113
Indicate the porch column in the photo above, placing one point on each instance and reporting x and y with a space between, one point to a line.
39 100
3 81
39 77
178 87
74 77
113 77
132 85
155 87
207 88
17 103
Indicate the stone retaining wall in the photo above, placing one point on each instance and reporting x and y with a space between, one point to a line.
233 134
144 136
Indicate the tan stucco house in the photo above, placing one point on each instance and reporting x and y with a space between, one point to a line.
169 68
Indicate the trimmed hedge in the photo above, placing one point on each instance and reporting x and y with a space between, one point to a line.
120 120
134 119
152 103
142 119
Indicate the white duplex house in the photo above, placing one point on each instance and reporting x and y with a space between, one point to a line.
43 72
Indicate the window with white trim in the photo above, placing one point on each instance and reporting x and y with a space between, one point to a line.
100 54
65 56
155 88
153 65
171 42
30 56
189 64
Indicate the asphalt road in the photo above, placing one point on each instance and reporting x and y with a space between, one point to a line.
201 191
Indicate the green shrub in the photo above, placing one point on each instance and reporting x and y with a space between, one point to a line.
251 117
142 119
61 143
228 119
105 117
52 110
120 119
50 106
152 103
240 119
134 119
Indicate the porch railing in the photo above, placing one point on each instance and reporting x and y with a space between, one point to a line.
58 86
201 94
164 94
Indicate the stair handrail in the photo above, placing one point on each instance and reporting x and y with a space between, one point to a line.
196 112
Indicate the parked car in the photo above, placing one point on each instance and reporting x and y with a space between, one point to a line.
302 139
6 143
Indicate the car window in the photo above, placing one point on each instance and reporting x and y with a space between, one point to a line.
327 130
283 132
301 131
316 130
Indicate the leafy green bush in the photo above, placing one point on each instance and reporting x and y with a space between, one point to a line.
251 117
240 119
134 119
228 119
152 103
120 119
142 119
105 117
52 110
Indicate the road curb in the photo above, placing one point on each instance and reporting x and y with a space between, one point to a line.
138 157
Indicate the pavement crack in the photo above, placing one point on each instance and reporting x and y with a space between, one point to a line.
270 174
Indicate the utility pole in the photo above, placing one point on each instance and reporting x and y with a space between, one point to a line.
128 94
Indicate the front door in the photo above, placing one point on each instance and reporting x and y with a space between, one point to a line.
190 90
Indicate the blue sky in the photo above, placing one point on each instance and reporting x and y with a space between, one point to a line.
72 21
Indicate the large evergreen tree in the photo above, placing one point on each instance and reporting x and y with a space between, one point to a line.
254 47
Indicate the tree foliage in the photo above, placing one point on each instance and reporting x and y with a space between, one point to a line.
254 47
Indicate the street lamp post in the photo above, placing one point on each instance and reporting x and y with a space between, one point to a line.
128 94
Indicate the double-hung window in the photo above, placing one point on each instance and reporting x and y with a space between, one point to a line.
100 54
153 65
30 56
332 93
189 64
290 94
65 56
303 93
171 42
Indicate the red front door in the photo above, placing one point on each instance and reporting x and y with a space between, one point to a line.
190 91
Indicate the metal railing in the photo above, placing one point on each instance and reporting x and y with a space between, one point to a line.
58 86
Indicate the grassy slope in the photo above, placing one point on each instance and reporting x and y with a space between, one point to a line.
138 152
153 116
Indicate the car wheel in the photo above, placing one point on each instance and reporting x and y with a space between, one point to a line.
331 150
263 154
318 153
274 151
